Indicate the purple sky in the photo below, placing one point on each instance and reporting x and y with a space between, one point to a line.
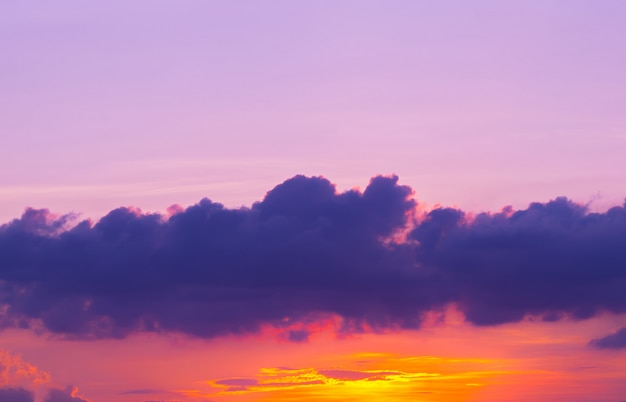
149 103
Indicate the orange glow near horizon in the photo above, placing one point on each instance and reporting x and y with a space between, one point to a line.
384 377
531 360
376 376
447 360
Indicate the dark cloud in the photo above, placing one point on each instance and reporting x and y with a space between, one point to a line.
8 394
209 270
551 259
612 341
305 251
63 395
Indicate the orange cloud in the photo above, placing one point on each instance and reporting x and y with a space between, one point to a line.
14 372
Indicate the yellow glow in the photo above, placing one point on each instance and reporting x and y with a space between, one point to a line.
372 376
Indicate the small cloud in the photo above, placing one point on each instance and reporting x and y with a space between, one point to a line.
238 381
140 391
69 394
612 341
299 336
237 384
352 375
15 372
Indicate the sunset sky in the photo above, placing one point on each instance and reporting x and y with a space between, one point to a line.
312 201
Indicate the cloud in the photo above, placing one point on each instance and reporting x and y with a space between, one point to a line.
307 251
20 381
237 384
300 335
550 259
616 340
209 270
16 395
64 395
353 375
141 391
15 373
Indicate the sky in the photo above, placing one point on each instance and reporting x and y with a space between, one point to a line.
313 200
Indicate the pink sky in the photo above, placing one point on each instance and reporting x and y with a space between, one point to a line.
475 105
148 103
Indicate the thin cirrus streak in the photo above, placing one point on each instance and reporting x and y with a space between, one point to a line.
307 253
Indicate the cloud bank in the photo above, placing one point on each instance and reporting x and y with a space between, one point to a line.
307 251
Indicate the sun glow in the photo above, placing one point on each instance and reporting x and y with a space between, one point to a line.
368 376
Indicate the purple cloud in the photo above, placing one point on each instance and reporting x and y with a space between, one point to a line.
616 340
63 395
16 395
306 250
550 259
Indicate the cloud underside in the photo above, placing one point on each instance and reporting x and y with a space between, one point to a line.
616 340
306 251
